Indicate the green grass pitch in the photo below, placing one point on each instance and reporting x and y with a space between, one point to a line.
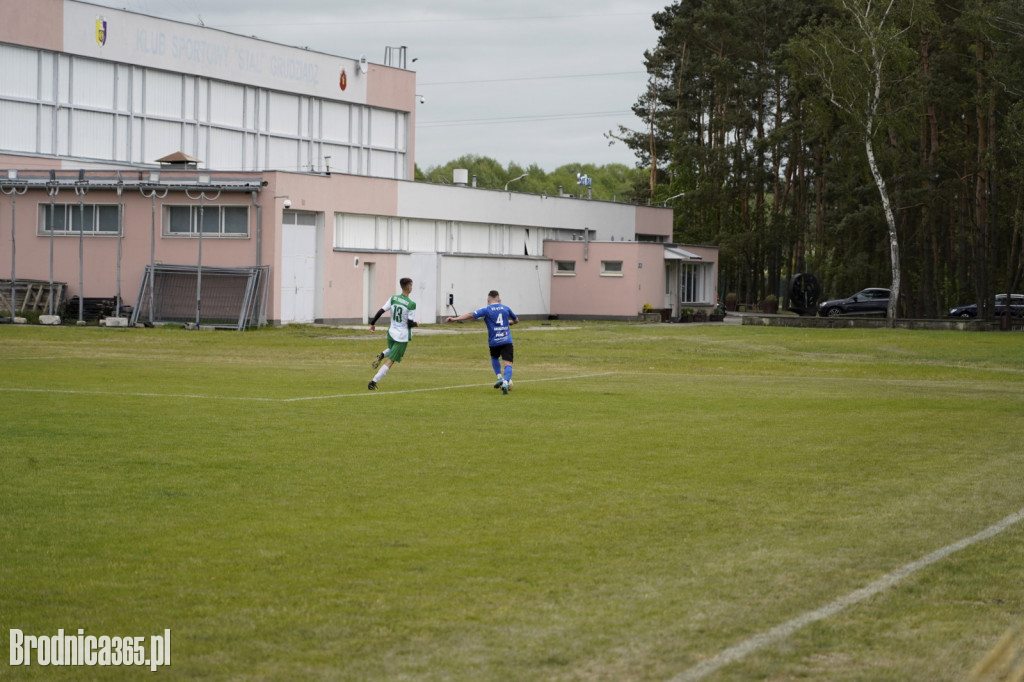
645 498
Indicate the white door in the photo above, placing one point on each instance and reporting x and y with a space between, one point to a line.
370 301
423 270
298 273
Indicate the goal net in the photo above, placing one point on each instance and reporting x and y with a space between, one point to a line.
228 298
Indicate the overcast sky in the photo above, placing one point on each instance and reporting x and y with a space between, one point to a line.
521 82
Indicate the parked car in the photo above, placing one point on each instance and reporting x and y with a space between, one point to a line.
867 302
971 310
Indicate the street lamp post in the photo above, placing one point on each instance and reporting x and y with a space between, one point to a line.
514 179
81 189
14 191
202 197
152 193
52 188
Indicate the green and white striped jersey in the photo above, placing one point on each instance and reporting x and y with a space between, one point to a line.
403 310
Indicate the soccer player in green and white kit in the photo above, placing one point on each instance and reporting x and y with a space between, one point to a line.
403 319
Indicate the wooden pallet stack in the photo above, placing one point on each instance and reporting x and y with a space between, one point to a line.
32 296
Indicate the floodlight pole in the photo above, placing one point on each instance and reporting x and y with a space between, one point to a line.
81 189
53 189
152 193
199 268
13 191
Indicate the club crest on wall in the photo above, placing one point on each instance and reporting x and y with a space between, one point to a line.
101 31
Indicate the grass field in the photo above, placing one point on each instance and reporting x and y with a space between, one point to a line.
644 499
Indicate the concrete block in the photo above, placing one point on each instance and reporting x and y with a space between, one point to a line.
49 319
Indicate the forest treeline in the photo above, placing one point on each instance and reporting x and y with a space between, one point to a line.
816 136
610 182
759 112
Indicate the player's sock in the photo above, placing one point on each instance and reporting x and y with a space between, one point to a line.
496 365
381 373
387 352
508 373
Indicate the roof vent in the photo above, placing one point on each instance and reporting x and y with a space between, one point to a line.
179 160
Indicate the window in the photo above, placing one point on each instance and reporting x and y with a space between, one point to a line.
367 232
218 221
565 267
695 283
611 268
298 218
68 219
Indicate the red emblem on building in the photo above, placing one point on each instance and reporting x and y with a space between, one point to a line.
343 83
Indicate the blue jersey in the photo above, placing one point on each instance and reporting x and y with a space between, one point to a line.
497 316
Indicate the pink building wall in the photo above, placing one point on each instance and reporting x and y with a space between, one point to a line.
589 293
654 221
99 254
343 280
43 27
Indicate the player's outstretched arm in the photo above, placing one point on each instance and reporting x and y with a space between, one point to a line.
373 322
460 318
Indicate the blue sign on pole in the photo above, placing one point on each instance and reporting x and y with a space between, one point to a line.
584 180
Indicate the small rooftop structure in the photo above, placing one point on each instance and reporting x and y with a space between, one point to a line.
179 160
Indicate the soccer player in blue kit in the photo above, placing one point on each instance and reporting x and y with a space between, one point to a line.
498 317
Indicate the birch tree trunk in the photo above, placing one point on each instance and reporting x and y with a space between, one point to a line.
890 221
851 59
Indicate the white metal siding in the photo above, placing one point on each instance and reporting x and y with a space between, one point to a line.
19 75
227 104
18 131
382 129
382 164
355 231
98 110
336 122
421 235
525 285
161 138
475 239
283 111
93 84
122 139
92 135
123 99
226 148
163 94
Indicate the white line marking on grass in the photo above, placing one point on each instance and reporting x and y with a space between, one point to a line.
441 388
192 396
366 393
780 632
